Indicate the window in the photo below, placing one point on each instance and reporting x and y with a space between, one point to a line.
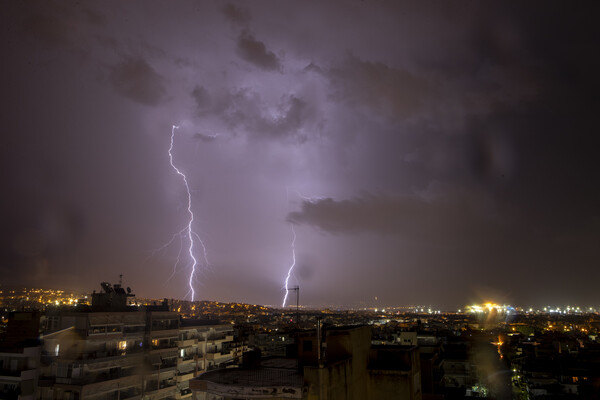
64 370
94 330
122 345
307 345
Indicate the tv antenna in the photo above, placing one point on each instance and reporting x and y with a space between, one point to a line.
297 290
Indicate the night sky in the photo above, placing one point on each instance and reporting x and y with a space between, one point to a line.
422 152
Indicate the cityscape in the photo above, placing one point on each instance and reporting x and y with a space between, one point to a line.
316 200
109 344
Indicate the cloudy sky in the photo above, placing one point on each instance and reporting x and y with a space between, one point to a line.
419 152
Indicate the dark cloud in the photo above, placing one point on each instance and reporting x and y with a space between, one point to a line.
49 29
202 98
471 130
94 17
442 217
255 52
312 67
236 14
135 79
58 26
394 93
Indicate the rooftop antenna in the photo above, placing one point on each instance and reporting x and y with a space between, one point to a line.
297 290
120 279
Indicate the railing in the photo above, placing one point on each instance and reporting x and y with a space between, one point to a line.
219 337
102 355
188 357
47 359
164 386
133 331
164 346
186 342
129 394
185 377
102 377
165 365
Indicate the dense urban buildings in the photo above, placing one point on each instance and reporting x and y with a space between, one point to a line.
111 345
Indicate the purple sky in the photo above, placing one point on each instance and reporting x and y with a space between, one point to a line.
426 152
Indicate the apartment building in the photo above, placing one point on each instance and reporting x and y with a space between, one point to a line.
113 350
20 357
203 345
110 350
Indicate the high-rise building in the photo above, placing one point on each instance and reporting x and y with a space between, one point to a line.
110 350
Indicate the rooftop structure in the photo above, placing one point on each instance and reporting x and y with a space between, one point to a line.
332 363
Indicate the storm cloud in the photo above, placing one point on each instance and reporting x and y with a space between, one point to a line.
419 152
135 79
255 52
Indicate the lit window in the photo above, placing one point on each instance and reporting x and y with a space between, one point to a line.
122 345
56 349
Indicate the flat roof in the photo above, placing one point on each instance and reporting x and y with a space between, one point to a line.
256 377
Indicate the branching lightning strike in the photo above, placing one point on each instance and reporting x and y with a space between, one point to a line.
188 230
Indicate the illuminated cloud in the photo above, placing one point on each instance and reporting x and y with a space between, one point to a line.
440 140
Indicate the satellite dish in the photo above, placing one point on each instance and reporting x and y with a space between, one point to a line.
128 289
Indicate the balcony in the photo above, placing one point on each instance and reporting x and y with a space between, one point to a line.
15 376
129 394
132 331
165 352
187 359
219 338
102 356
164 367
184 394
219 356
47 358
164 389
186 342
185 377
98 378
165 333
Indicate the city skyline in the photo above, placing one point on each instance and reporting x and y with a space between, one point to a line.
37 298
399 153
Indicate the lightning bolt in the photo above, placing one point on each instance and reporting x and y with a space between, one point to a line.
187 230
287 278
291 268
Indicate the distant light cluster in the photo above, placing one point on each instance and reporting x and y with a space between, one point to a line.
507 309
36 298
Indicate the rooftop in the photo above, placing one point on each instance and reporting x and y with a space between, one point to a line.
254 377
